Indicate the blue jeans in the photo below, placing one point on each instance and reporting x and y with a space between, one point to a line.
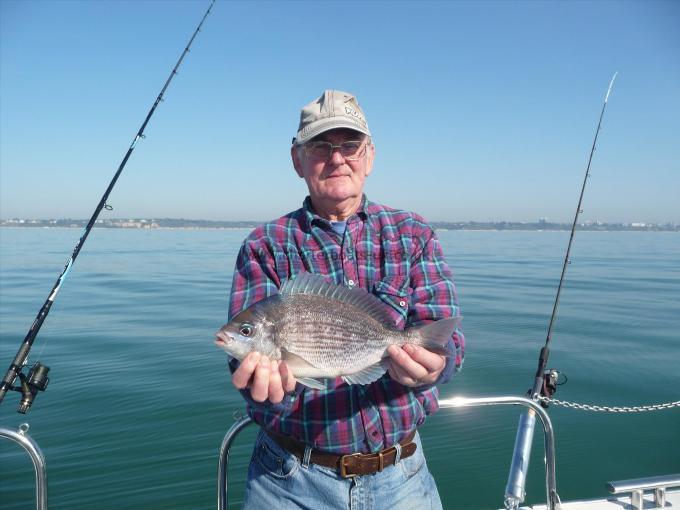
278 480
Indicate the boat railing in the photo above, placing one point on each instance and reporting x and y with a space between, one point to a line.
222 473
638 486
553 501
22 438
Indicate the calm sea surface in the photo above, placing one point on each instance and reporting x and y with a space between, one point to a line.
139 398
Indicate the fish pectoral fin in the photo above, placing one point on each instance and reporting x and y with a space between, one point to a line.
295 360
298 364
317 384
367 375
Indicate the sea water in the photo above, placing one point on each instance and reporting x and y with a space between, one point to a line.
139 397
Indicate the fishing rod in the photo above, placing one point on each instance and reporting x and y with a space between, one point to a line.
37 379
545 382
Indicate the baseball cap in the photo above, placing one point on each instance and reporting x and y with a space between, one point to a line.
334 109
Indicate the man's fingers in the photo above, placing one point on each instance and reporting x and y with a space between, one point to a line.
275 386
287 378
260 388
430 360
397 373
400 375
242 375
403 360
267 379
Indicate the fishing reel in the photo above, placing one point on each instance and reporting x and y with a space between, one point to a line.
551 380
31 384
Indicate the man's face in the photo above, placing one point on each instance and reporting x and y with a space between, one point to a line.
336 179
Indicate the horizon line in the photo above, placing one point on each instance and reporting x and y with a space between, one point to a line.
540 221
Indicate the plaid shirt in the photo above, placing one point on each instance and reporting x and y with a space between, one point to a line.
393 254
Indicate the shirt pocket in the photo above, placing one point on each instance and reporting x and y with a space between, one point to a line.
394 291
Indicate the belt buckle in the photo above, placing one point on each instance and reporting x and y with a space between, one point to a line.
343 468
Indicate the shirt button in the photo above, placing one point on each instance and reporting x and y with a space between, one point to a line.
350 283
402 303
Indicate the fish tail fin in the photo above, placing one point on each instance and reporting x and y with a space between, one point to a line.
435 336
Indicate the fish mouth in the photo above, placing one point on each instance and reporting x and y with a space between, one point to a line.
222 339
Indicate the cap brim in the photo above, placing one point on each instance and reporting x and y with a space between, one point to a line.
323 125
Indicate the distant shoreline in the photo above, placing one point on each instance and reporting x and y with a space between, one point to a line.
182 224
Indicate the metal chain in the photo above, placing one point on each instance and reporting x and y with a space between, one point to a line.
607 409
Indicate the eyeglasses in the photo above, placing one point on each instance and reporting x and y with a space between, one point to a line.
323 151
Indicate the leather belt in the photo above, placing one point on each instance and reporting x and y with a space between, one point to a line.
348 465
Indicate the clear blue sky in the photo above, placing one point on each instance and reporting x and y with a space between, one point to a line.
480 110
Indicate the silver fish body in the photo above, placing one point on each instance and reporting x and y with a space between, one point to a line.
322 330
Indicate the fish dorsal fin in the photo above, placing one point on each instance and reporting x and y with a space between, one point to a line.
367 375
314 284
304 283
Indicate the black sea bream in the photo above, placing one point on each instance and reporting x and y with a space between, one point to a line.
323 330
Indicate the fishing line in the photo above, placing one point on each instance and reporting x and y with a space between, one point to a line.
37 379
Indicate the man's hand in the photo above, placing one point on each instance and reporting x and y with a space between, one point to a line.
267 379
412 365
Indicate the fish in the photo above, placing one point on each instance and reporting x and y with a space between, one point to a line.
323 330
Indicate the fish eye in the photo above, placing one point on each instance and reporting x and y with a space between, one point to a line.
246 330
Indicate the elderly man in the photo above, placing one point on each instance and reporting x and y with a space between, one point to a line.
346 446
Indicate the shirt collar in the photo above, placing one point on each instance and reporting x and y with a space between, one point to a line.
311 217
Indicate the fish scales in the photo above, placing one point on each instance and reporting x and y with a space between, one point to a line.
327 335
